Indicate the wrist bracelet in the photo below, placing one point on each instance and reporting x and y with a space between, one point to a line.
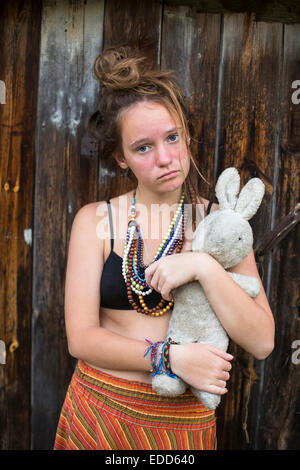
155 355
166 358
160 357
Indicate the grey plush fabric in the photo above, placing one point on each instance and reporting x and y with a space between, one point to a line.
227 236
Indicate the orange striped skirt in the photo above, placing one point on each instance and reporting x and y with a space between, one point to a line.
103 412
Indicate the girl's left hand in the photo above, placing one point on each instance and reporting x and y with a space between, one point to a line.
172 271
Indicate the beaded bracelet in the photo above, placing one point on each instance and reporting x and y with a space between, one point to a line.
160 357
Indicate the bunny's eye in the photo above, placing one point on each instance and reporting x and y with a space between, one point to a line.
240 238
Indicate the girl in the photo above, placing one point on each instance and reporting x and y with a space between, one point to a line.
110 404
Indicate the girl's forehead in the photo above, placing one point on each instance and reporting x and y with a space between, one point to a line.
146 108
145 116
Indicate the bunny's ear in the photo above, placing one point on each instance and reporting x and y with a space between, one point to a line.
250 198
227 188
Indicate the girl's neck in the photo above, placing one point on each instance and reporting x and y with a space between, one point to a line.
146 197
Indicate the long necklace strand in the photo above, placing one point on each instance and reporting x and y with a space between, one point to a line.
133 267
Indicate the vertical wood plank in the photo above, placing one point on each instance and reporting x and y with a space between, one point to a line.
19 45
131 22
278 417
190 46
66 179
249 97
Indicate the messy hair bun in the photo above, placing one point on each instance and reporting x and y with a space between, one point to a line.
123 69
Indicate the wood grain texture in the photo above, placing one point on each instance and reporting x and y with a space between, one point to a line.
190 46
278 413
19 45
138 23
250 88
283 11
66 179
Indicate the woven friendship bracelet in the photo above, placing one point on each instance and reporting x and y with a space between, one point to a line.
160 357
155 349
166 358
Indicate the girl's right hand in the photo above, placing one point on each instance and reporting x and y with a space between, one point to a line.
201 366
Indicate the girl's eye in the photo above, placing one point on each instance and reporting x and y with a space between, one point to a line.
142 148
173 137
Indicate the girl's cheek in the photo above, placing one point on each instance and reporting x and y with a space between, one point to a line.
145 165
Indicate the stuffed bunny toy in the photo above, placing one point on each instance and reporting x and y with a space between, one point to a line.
227 236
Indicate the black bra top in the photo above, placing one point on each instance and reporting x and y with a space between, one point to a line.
112 286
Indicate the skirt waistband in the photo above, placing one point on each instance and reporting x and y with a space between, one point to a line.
139 398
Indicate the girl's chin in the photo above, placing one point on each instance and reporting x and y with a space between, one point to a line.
165 186
171 184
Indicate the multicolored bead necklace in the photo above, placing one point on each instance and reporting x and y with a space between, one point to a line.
133 269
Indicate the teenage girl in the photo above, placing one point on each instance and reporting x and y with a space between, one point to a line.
125 257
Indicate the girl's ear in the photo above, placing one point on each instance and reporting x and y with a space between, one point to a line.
120 160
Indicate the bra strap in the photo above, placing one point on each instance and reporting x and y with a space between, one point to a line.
214 199
110 224
209 206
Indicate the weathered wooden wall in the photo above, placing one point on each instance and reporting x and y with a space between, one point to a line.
65 179
19 57
275 417
237 75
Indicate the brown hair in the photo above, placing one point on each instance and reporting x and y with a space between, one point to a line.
127 78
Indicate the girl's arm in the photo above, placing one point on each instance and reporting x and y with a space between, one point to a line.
86 339
249 322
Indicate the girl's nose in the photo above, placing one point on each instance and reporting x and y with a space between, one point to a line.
163 155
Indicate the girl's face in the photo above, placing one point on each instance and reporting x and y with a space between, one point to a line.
154 147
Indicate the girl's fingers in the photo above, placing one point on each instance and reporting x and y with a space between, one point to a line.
227 366
223 354
148 276
216 390
220 383
154 281
223 376
149 272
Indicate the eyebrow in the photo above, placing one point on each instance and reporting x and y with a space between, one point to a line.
146 139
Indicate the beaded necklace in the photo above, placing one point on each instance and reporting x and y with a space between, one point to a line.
133 268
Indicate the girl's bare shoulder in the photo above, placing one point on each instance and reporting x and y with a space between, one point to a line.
205 202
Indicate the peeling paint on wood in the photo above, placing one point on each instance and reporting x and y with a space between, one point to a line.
28 236
2 92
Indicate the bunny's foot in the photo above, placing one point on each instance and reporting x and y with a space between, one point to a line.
209 400
168 386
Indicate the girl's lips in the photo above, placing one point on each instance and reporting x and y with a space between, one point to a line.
171 174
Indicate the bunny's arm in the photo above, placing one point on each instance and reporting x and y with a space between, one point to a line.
248 267
249 322
249 284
